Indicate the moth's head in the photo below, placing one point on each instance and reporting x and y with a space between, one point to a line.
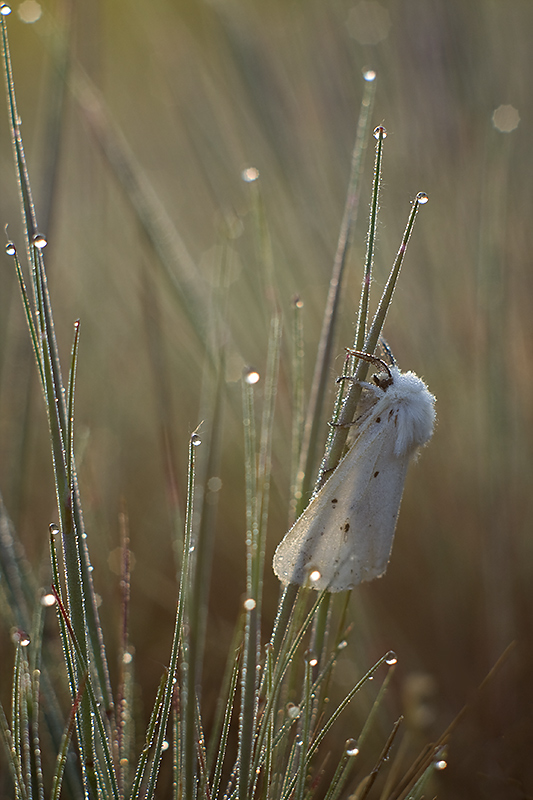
383 379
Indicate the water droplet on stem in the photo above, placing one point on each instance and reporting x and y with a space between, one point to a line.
39 241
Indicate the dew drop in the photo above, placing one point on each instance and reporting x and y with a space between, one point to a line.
298 302
20 637
127 657
53 528
369 75
391 658
251 376
195 440
311 659
422 198
11 250
165 745
48 599
91 568
39 241
352 748
342 645
293 711
249 604
441 764
380 131
250 174
5 10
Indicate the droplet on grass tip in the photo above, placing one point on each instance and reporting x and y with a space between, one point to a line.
311 659
53 528
352 748
391 658
5 10
48 599
422 198
250 174
298 302
18 636
369 75
251 376
380 131
39 241
195 440
441 764
11 250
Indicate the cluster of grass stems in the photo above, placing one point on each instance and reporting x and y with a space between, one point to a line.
267 737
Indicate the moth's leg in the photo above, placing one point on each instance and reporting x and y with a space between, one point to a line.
375 388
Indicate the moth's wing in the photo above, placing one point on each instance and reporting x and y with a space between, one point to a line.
346 531
372 514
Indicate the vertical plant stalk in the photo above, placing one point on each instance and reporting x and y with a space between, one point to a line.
248 677
325 347
298 402
188 695
258 468
339 431
47 357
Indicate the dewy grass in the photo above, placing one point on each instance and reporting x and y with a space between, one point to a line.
273 719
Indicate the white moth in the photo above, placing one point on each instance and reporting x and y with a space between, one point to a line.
345 534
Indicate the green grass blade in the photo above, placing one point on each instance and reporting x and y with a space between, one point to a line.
135 791
62 755
314 417
13 757
303 737
103 764
248 672
339 432
187 691
223 741
37 348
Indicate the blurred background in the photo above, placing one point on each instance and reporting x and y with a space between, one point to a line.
138 121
